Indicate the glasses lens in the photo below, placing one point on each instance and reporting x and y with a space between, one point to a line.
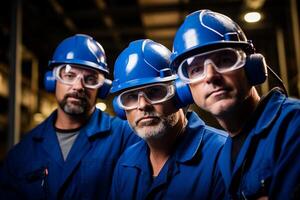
129 99
92 79
156 93
225 59
66 74
194 67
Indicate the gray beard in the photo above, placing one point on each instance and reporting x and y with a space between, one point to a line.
159 130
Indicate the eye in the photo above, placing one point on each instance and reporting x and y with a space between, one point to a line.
91 80
153 90
226 59
129 98
68 76
195 70
156 92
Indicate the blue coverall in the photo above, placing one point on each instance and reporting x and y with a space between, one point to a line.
35 169
268 163
189 173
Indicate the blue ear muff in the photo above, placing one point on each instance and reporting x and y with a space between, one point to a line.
104 89
256 69
183 94
118 110
49 81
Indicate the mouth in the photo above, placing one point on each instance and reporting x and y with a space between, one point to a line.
75 100
76 97
217 92
146 120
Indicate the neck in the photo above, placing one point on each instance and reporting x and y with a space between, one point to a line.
161 148
234 121
67 121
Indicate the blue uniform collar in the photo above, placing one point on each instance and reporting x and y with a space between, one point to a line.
98 123
264 116
185 151
268 108
191 143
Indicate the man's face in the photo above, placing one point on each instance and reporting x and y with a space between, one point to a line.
152 121
220 93
73 97
217 79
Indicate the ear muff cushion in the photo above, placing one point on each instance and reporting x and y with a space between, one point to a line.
183 94
49 81
118 110
104 89
256 69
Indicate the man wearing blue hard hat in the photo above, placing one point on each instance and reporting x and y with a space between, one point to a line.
72 154
177 157
261 158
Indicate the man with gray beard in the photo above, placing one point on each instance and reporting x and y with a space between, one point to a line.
72 154
178 154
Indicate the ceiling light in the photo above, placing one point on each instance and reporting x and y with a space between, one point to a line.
252 17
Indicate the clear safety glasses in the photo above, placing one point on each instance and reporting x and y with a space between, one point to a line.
155 93
193 69
69 74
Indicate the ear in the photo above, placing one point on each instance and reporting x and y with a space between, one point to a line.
49 81
118 110
183 95
104 89
256 69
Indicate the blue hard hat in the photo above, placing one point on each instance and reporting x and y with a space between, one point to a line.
142 62
204 30
82 50
146 62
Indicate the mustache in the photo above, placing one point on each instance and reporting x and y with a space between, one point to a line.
145 115
77 95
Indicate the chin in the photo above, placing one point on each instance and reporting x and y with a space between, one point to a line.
150 132
222 107
74 110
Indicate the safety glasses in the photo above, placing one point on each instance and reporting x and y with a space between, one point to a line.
69 74
155 93
193 69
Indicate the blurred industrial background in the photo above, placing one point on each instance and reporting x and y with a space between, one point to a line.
31 29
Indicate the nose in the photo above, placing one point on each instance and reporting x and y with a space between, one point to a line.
211 72
142 102
78 84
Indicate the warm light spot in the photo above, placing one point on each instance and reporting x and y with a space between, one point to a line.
102 106
252 17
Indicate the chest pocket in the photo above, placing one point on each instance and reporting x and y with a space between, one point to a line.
33 180
256 183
